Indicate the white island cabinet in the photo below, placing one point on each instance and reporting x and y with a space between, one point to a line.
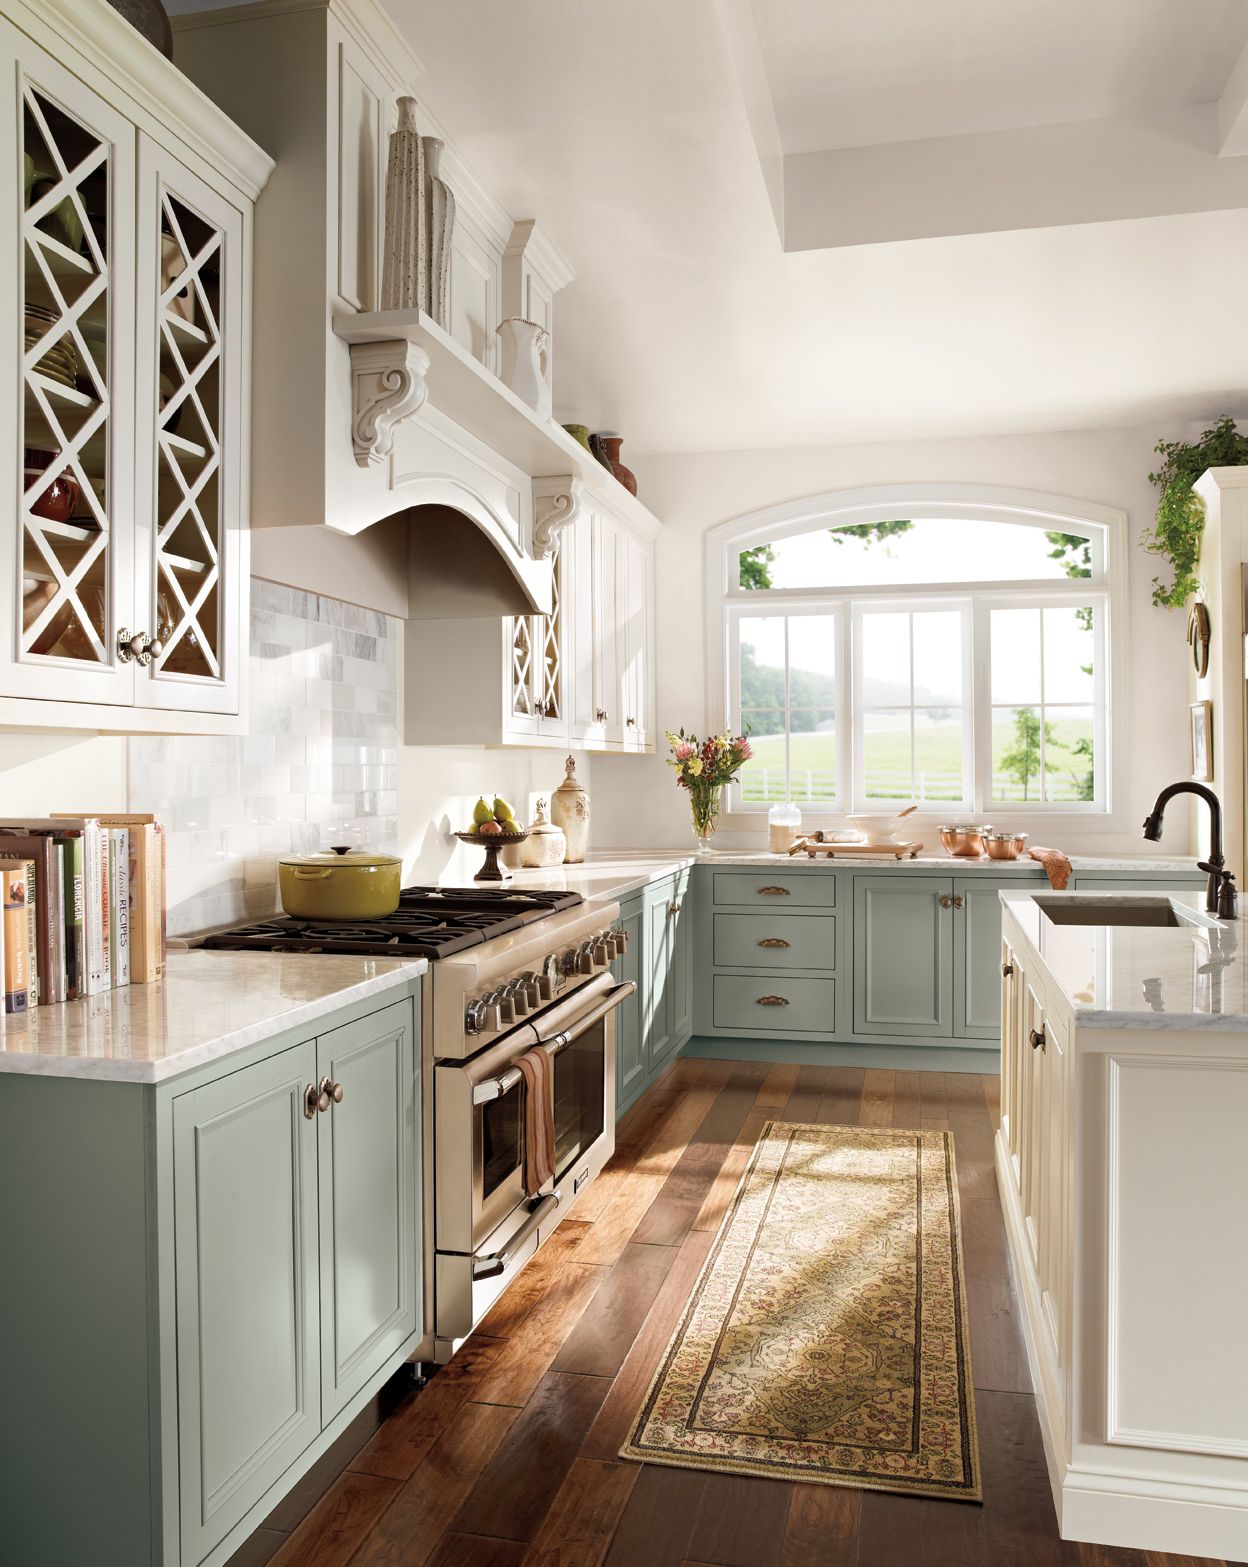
1123 1166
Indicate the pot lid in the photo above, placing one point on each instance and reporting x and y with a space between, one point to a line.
343 855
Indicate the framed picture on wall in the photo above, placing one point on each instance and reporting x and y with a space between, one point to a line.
1202 741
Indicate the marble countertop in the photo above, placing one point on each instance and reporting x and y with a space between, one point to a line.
1192 976
609 875
208 1005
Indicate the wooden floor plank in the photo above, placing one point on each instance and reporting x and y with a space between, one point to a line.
777 1086
740 1522
339 1523
933 1107
638 1189
584 1515
907 1113
402 1442
841 1100
258 1549
410 1529
655 1526
1019 1523
821 1529
802 1105
723 1188
474 1550
998 1353
514 1492
527 1356
876 1108
601 1339
512 1308
675 1210
619 1408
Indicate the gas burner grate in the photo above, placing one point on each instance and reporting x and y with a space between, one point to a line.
430 922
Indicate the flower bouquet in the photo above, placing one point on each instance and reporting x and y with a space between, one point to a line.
703 767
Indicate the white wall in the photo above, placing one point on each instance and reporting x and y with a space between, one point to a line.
635 800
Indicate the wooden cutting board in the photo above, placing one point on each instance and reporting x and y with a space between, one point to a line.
811 848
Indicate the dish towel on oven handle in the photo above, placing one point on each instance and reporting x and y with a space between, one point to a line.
1056 865
539 1120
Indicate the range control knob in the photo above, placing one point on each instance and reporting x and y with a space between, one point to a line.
585 958
474 1017
548 979
519 997
604 950
621 941
531 990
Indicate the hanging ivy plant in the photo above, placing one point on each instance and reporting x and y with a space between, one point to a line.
1180 511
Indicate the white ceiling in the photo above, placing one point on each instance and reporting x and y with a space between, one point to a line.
621 128
856 72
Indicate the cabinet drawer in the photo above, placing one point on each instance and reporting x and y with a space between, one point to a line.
776 889
775 941
800 1006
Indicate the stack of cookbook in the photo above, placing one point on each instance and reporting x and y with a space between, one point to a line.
84 906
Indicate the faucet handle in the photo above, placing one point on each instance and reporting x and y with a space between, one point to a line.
1228 897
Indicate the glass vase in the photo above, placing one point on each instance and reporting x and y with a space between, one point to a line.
704 805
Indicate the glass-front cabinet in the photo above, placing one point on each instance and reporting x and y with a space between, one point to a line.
537 698
123 299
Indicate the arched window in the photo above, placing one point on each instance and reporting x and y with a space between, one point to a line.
945 646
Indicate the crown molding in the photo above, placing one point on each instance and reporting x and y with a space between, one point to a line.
532 242
108 44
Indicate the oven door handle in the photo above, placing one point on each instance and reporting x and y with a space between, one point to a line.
491 1088
496 1262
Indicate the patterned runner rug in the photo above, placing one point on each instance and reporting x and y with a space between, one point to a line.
826 1338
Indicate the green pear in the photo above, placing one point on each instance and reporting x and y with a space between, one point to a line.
503 812
482 812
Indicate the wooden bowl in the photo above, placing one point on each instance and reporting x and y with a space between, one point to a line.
492 843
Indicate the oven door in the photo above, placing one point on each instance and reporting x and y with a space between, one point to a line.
483 1215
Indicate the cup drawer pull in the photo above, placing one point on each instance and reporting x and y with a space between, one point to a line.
772 892
774 941
773 1001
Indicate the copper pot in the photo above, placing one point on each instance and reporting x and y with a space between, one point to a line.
964 840
1004 845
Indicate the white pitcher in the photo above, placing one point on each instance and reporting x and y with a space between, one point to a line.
526 362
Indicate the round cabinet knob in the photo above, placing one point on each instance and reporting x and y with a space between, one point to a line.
1036 1038
946 902
314 1099
330 1090
155 646
1007 970
600 715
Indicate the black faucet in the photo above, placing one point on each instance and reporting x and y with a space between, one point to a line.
1220 897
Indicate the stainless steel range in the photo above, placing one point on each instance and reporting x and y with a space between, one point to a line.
512 971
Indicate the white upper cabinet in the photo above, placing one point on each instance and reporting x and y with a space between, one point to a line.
125 315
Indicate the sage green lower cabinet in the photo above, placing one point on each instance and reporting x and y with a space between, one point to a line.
207 1284
652 1027
977 955
630 1050
903 947
248 1293
367 1147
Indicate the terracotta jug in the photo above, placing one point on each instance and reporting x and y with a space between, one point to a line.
611 445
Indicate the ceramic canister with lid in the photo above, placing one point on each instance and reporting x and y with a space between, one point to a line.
546 844
569 809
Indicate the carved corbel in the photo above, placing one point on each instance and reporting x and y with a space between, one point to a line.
556 505
387 386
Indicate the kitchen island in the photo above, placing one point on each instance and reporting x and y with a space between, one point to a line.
1123 1167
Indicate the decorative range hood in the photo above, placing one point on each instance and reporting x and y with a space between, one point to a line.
390 466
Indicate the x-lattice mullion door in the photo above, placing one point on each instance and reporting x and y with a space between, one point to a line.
67 402
189 540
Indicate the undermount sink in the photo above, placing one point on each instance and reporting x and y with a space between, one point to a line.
1116 911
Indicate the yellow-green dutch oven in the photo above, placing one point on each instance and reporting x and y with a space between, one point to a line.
340 884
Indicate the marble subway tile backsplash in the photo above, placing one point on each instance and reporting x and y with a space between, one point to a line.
319 765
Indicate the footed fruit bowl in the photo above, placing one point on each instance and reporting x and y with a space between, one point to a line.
492 843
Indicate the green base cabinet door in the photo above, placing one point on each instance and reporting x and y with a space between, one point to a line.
657 959
368 1161
903 934
248 1296
630 1053
680 960
977 955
